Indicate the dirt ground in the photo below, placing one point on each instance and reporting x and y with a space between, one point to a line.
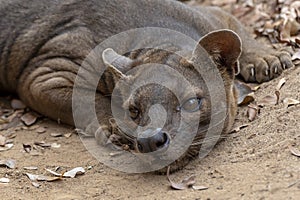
253 163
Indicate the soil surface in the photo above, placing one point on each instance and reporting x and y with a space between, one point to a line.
257 162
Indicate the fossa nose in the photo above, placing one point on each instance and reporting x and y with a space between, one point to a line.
152 140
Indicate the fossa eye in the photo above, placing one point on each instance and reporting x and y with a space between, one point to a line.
133 113
191 105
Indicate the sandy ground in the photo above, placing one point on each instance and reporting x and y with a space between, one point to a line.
254 163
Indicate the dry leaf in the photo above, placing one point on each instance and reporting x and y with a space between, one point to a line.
4 180
43 144
35 184
247 99
2 140
255 88
34 177
10 135
184 184
199 187
270 100
30 168
27 148
55 145
69 174
41 130
81 132
14 122
290 102
67 135
9 141
53 172
294 151
35 152
8 163
296 56
238 128
222 3
3 121
290 28
57 168
34 127
252 111
245 93
280 84
56 134
72 173
294 183
8 112
17 104
29 118
6 147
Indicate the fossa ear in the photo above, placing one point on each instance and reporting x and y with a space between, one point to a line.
116 64
225 47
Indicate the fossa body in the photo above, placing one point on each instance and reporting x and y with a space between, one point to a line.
43 43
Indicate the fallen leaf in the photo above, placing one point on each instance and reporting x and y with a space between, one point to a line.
4 180
8 112
290 102
290 28
67 135
280 84
41 130
3 121
270 99
294 151
27 147
35 152
296 56
17 104
184 184
56 134
35 184
249 98
53 172
11 135
245 93
43 144
6 147
222 3
9 141
252 111
81 132
238 128
34 127
8 163
255 88
29 118
69 174
57 168
30 168
55 145
14 122
2 140
34 177
72 173
199 187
